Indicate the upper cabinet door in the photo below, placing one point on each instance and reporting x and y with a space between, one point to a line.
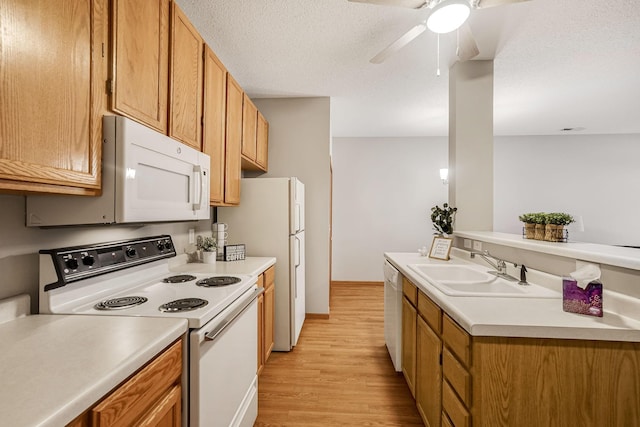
52 95
185 108
249 122
214 121
262 142
140 73
233 142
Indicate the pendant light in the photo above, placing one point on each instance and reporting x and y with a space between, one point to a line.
448 16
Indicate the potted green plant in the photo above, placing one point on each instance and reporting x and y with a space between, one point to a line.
555 222
529 225
443 218
208 248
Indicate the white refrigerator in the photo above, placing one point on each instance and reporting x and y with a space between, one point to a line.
270 222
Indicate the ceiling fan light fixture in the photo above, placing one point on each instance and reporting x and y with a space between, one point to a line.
448 16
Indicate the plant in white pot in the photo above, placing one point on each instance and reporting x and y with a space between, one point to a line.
208 247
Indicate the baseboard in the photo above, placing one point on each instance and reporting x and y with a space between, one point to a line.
343 282
316 315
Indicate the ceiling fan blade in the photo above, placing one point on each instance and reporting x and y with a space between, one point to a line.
411 4
482 4
467 47
399 44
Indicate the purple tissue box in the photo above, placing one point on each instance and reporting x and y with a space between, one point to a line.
582 301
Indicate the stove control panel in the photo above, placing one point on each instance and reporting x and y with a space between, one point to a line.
81 262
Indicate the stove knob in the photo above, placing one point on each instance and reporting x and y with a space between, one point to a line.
88 260
160 246
71 263
167 244
131 252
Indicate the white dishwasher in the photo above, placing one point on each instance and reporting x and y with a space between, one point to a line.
393 313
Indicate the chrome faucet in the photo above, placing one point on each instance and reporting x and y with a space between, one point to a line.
500 265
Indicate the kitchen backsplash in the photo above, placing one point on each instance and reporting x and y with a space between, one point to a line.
19 245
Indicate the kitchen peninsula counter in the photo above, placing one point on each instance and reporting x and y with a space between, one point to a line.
54 367
526 317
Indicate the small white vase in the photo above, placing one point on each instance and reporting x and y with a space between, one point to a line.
209 257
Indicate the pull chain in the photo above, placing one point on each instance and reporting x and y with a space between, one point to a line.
438 57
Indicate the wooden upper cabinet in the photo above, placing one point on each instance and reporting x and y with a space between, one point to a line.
140 70
52 95
262 142
185 108
233 141
249 123
214 122
255 130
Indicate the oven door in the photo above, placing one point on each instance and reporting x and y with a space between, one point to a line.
223 363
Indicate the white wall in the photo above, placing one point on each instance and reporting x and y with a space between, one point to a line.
383 191
596 177
299 144
19 245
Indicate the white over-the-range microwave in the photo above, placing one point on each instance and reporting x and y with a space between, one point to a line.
146 177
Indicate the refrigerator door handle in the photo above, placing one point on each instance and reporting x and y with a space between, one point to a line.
297 218
297 254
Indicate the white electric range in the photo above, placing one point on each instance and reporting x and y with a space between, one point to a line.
132 278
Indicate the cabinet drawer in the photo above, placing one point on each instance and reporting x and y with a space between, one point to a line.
454 408
456 339
410 291
269 275
261 281
430 312
457 376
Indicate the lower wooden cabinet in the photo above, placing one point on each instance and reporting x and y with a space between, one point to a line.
428 374
266 316
152 397
477 381
269 310
409 317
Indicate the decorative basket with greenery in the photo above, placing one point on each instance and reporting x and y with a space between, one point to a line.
545 226
555 222
443 218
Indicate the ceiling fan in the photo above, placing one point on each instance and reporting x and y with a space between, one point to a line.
445 16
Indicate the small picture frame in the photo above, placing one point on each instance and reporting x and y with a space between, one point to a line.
440 248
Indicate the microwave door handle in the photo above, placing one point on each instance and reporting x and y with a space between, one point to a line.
197 169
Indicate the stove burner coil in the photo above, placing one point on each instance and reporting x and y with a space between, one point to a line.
218 281
185 304
180 278
120 303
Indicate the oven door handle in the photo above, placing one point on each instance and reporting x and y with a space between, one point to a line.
210 336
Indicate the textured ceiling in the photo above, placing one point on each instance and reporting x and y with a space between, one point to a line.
557 63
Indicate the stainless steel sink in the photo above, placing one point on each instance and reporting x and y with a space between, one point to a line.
476 281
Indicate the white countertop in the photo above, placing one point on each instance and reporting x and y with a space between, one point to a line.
519 317
593 252
54 367
251 266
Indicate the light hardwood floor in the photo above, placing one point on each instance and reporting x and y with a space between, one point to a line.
340 373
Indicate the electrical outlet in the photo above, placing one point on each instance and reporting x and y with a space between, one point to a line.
477 246
467 243
192 236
